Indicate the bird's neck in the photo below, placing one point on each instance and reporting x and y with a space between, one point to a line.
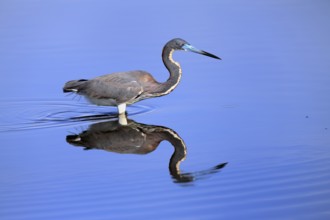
175 73
179 153
180 150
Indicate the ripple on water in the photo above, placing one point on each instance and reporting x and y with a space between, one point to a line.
19 115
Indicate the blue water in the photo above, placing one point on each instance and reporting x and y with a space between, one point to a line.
253 128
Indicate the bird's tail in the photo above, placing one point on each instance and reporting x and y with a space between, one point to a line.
74 85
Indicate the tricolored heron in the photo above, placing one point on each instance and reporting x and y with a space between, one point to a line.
138 138
124 88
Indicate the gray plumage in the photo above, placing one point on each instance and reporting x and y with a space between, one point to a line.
137 138
124 88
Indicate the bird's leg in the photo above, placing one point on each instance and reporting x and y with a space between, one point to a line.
122 108
122 119
122 115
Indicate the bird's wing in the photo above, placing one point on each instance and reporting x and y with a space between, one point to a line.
114 87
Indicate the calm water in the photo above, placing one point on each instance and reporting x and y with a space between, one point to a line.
253 128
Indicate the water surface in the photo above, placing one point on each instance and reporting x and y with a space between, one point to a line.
242 138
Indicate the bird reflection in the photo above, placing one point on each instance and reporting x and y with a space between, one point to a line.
136 138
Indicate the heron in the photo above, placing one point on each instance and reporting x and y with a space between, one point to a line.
138 138
124 88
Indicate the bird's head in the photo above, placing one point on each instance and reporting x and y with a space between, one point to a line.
180 44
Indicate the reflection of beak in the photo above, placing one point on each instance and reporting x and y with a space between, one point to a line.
188 47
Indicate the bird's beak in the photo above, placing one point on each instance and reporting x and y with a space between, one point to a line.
188 47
